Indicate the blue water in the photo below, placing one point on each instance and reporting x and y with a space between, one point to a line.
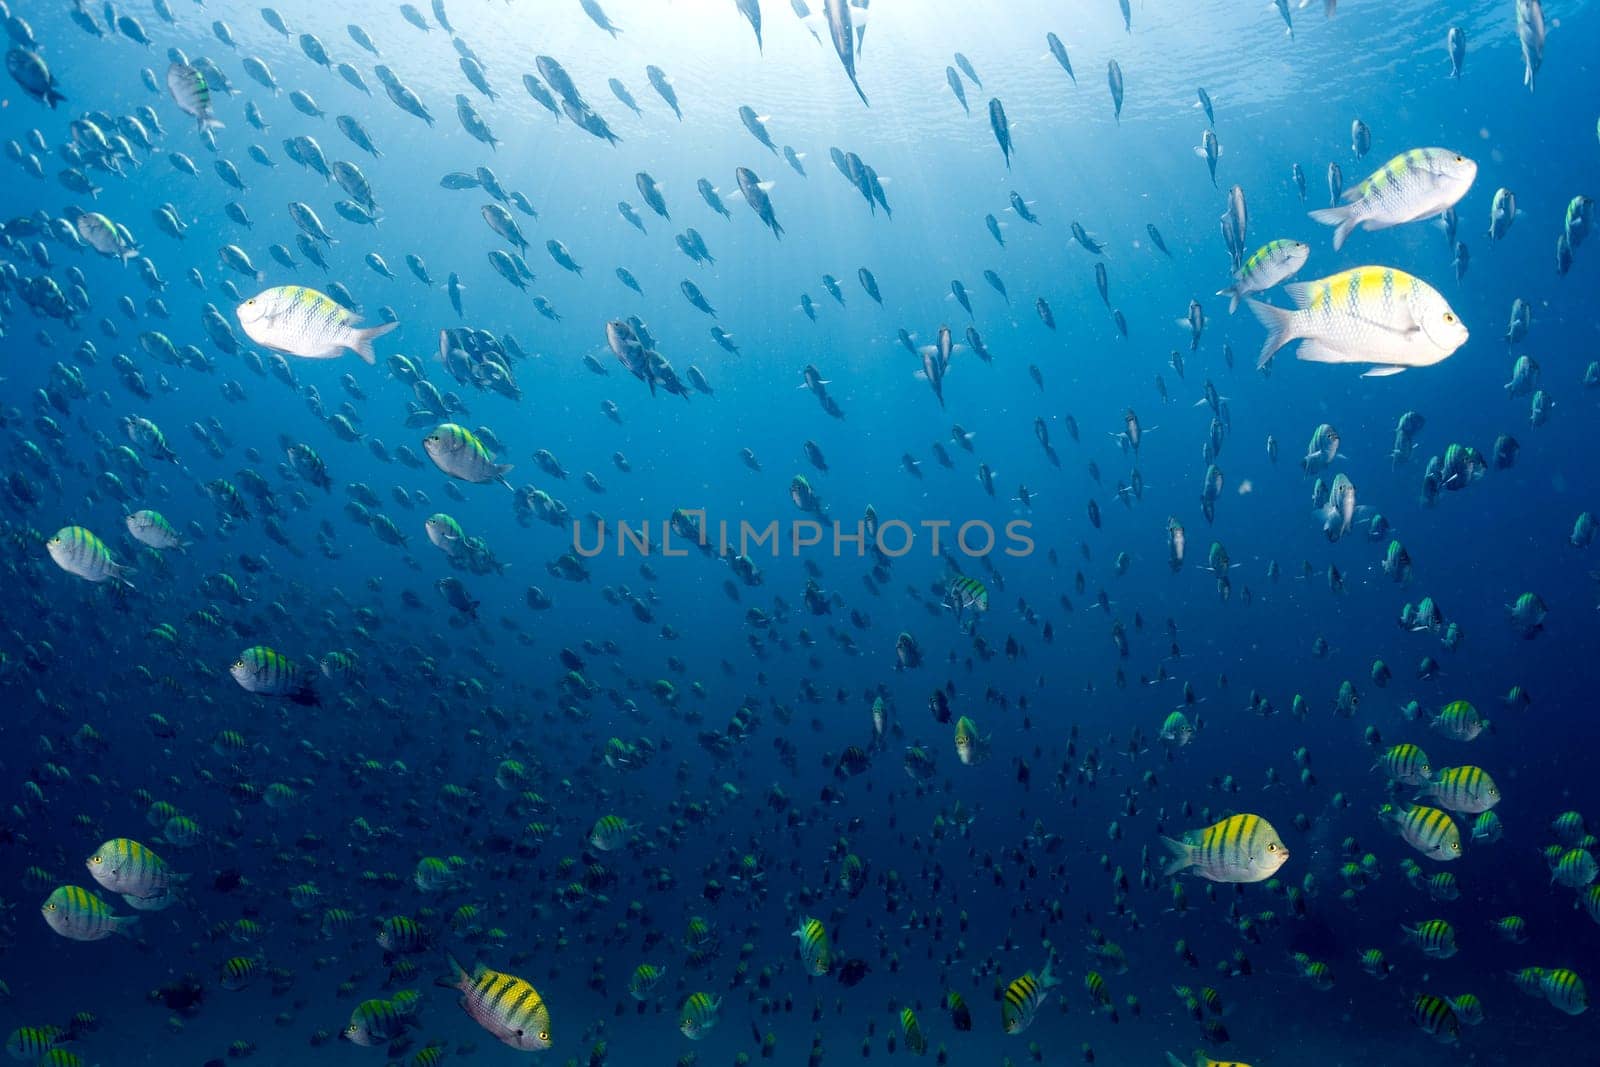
444 700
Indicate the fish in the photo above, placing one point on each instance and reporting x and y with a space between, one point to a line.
190 91
79 915
755 194
816 951
80 553
1023 997
751 10
1001 128
1059 51
1428 830
300 321
506 1006
458 452
29 70
1240 848
699 1015
841 31
1377 315
1272 263
957 87
267 672
1530 35
1414 185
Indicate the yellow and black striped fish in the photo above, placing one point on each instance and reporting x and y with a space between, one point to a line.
375 1022
503 1004
698 1015
916 1044
1428 830
1436 938
815 950
960 1014
266 671
1565 990
75 913
1406 763
32 1042
79 552
1465 789
402 933
125 866
1433 1015
238 972
1240 848
1023 997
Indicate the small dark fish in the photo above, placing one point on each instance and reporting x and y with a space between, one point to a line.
757 125
652 194
1059 50
751 10
620 91
1001 128
957 87
546 99
658 81
841 29
755 194
594 11
870 284
852 971
966 68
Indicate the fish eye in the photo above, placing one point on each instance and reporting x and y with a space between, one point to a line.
1272 848
1449 317
544 1035
1455 846
49 907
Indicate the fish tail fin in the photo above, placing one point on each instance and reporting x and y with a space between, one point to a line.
1280 329
1343 219
364 339
458 973
1181 857
126 925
